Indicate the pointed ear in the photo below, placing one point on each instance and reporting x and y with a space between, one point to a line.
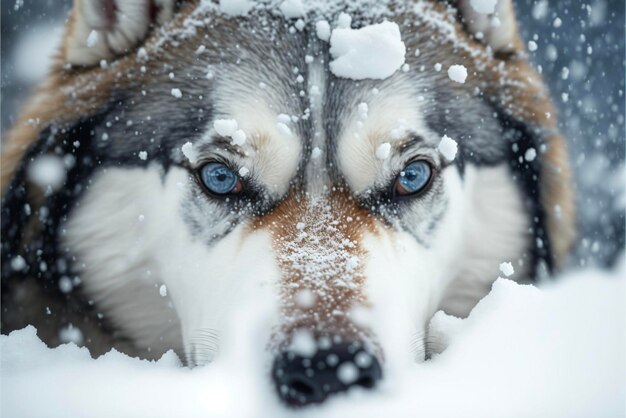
102 29
493 22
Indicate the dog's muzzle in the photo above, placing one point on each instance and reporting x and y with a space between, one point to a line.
307 380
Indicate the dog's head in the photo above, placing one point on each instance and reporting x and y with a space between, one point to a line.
218 159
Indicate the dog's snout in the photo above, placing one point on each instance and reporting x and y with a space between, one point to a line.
303 380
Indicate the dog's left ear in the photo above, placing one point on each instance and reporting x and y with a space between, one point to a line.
496 27
526 101
103 29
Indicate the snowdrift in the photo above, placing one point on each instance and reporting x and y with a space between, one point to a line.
557 351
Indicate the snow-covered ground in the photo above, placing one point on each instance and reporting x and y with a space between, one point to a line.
557 351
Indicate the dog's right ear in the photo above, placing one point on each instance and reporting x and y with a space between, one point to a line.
103 29
495 26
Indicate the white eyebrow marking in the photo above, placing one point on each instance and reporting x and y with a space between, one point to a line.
391 114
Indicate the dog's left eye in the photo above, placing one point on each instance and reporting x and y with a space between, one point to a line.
413 179
219 179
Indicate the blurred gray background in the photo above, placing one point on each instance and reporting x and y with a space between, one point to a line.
580 52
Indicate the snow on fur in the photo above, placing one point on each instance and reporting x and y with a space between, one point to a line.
374 51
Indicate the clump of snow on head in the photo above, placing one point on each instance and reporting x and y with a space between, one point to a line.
457 73
484 6
189 152
383 150
163 290
236 7
292 8
322 28
47 172
448 148
374 51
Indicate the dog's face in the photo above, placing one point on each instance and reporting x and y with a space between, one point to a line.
234 166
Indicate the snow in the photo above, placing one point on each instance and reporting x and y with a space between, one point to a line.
239 137
322 28
189 152
375 51
244 171
143 155
344 20
92 39
457 73
33 52
347 372
283 129
316 153
163 290
48 172
448 147
506 359
362 110
71 334
532 46
18 263
235 7
507 269
303 343
484 6
383 150
305 298
225 127
530 154
177 93
292 8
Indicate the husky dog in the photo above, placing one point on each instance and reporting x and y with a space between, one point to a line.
180 156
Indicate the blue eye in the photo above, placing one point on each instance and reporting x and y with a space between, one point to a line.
220 179
414 178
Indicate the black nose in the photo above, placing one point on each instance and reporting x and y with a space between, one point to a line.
304 380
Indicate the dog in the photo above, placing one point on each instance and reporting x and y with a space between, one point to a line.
181 155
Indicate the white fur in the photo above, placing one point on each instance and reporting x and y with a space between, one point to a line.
406 282
496 228
390 112
116 249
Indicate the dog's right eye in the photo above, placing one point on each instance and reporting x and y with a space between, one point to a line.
219 179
